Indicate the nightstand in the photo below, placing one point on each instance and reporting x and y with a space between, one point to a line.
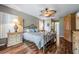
14 38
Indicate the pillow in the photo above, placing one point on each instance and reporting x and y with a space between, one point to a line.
26 30
32 30
36 30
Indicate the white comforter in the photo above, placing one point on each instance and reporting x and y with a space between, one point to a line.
36 37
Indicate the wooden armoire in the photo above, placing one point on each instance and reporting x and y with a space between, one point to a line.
69 27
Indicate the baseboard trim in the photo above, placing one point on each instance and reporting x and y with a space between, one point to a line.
61 36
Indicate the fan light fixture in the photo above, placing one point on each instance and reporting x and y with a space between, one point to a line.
48 12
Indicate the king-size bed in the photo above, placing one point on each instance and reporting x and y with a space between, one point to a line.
39 38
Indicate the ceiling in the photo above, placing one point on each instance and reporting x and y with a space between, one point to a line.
34 9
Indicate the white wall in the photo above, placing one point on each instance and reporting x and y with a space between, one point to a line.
61 27
31 20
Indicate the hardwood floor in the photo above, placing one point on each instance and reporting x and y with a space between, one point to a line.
65 47
32 49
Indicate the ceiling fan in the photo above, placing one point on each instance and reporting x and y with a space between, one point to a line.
48 12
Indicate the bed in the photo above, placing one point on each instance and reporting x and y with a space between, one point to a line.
39 38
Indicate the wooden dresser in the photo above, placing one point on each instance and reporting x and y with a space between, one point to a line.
71 31
69 27
75 38
14 38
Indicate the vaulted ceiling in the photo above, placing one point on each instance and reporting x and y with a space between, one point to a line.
34 9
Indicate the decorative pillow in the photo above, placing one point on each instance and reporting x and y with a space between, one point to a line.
32 30
36 30
26 30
